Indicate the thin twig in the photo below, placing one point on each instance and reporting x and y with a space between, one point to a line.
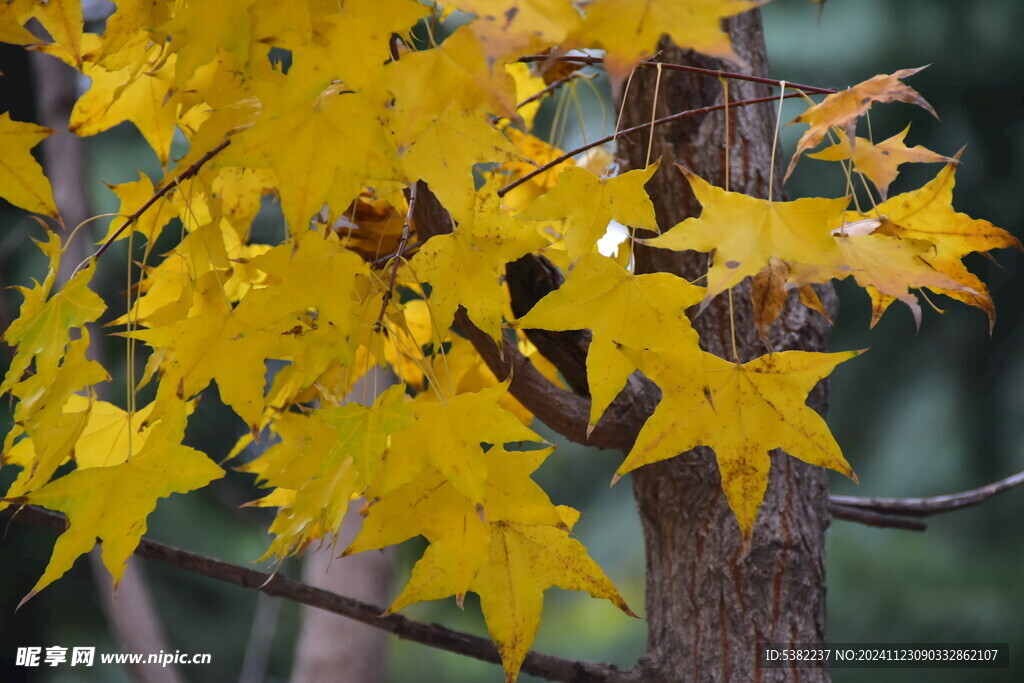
164 189
553 85
872 518
383 260
406 229
717 73
923 507
275 585
608 138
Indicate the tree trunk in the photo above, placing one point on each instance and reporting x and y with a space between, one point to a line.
707 606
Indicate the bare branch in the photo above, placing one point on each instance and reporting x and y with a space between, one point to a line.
871 518
635 129
668 66
275 585
924 507
164 189
399 255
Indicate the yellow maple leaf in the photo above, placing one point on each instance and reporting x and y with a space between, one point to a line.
879 162
199 28
134 195
629 30
928 214
748 410
464 267
443 155
62 19
508 29
112 503
43 328
643 311
892 267
354 44
842 109
140 92
590 203
448 436
746 232
456 73
289 136
523 561
22 181
13 16
364 432
459 531
224 348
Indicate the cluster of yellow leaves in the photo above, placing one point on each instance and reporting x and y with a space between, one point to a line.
366 107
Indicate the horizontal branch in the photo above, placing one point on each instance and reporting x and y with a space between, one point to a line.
275 585
923 507
716 73
871 518
636 129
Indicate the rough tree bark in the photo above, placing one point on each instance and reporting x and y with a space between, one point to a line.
708 607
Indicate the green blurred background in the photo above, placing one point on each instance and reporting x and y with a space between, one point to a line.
922 414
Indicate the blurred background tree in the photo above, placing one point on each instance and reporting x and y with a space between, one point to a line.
946 408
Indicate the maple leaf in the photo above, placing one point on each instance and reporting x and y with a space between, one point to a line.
134 195
749 410
619 307
363 433
510 28
842 109
13 16
62 19
768 294
464 267
141 92
629 31
879 162
325 459
213 346
892 267
928 214
456 73
289 135
22 182
44 324
444 154
746 233
448 436
353 44
523 561
590 203
112 503
202 27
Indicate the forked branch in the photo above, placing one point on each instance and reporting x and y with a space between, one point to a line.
925 507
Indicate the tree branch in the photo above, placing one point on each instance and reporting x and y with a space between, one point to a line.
184 175
924 507
871 518
667 66
563 411
433 635
635 129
